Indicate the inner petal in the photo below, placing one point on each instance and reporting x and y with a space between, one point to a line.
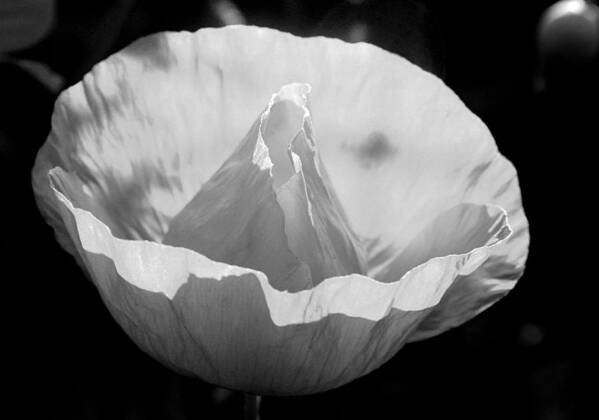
280 123
458 230
319 234
267 207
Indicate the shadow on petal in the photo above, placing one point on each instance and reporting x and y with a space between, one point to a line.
471 294
456 231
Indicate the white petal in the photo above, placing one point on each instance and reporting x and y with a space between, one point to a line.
267 207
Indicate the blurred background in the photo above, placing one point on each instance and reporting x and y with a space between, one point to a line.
529 70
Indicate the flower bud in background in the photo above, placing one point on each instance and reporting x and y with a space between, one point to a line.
569 31
23 23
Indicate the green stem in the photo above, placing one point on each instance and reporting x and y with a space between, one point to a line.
251 407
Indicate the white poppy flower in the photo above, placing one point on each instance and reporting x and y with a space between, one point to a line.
275 214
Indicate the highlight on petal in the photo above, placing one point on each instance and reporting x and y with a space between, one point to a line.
455 231
169 299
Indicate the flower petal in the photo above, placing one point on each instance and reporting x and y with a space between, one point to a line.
316 226
268 208
472 293
143 130
148 126
456 231
235 217
229 326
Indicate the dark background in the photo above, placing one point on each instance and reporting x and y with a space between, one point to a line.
518 360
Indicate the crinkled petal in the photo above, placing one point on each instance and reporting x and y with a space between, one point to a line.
235 217
455 231
331 246
268 208
229 326
471 294
316 226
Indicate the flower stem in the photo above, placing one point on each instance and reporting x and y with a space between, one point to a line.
251 407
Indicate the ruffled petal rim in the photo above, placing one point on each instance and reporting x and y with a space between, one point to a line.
229 326
165 269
